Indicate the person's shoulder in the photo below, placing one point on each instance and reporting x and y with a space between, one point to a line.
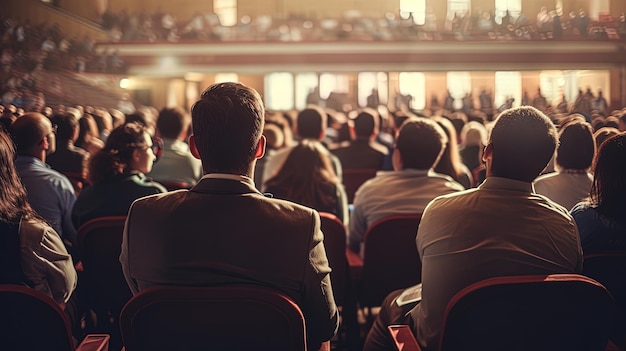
547 204
58 180
157 203
286 206
34 230
381 178
453 197
146 184
581 208
546 177
161 199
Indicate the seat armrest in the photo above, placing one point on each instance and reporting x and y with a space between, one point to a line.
403 338
94 342
355 264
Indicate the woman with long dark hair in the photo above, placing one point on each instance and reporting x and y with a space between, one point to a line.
31 252
450 162
117 174
601 219
307 177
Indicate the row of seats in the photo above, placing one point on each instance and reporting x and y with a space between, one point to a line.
546 312
390 262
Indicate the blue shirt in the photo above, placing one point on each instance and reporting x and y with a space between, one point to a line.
50 194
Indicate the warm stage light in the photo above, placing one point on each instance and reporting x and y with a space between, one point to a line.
124 83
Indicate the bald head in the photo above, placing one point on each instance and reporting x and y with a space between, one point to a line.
33 135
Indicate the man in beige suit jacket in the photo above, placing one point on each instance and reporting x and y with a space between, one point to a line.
223 230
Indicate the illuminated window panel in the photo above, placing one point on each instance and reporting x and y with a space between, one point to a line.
459 84
279 91
414 84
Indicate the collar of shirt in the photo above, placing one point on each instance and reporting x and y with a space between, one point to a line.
30 160
410 172
500 183
175 144
236 177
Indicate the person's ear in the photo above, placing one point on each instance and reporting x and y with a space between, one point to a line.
193 147
488 152
396 160
260 148
136 155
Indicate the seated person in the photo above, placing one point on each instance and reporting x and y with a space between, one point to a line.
412 184
176 163
310 124
307 178
49 192
117 173
363 151
601 218
502 228
571 182
31 252
223 230
68 158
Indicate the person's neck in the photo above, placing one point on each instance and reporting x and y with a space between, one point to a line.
41 156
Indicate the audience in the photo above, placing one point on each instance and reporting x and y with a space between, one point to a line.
176 163
32 253
502 228
571 181
600 218
117 173
49 192
310 124
307 178
226 230
410 186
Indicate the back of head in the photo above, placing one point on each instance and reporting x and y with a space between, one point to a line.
603 134
365 125
474 133
306 175
67 124
399 117
311 123
523 140
227 125
274 136
172 123
576 146
27 131
609 184
420 143
139 117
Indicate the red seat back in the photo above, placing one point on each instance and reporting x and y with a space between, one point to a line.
544 312
390 259
242 317
335 244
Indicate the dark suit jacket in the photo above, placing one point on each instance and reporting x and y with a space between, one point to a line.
225 231
69 159
361 154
